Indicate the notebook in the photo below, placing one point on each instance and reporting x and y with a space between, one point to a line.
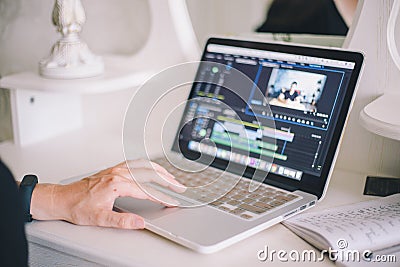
361 232
256 143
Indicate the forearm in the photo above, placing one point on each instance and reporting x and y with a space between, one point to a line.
346 9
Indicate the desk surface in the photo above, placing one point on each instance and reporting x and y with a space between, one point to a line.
80 152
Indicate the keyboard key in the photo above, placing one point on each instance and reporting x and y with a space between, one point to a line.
248 200
263 205
234 202
276 203
283 198
216 203
237 211
246 216
266 199
250 208
224 208
254 195
238 196
225 199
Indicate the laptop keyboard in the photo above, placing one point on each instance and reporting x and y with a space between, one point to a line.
206 188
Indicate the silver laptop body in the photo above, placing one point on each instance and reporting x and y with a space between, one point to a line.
309 122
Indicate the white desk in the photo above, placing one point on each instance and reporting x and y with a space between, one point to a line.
60 242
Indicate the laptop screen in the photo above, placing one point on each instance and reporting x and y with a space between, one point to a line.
288 119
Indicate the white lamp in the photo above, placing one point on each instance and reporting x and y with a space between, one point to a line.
70 57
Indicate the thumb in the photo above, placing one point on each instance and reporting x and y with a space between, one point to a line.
120 220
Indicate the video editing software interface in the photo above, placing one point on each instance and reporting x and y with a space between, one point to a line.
304 95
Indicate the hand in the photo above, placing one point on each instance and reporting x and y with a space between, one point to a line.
90 200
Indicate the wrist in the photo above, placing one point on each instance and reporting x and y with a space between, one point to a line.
45 204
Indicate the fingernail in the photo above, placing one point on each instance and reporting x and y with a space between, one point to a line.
166 175
180 188
139 223
174 202
175 182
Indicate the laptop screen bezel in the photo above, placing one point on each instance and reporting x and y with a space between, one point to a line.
317 186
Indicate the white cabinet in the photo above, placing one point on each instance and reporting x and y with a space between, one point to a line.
42 108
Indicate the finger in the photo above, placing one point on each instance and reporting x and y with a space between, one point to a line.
145 175
126 188
140 164
120 220
143 163
126 173
149 165
159 197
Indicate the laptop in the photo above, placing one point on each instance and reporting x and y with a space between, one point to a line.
257 140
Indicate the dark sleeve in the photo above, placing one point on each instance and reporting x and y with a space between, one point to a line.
14 249
304 17
286 94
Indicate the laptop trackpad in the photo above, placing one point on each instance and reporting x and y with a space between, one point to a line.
145 208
